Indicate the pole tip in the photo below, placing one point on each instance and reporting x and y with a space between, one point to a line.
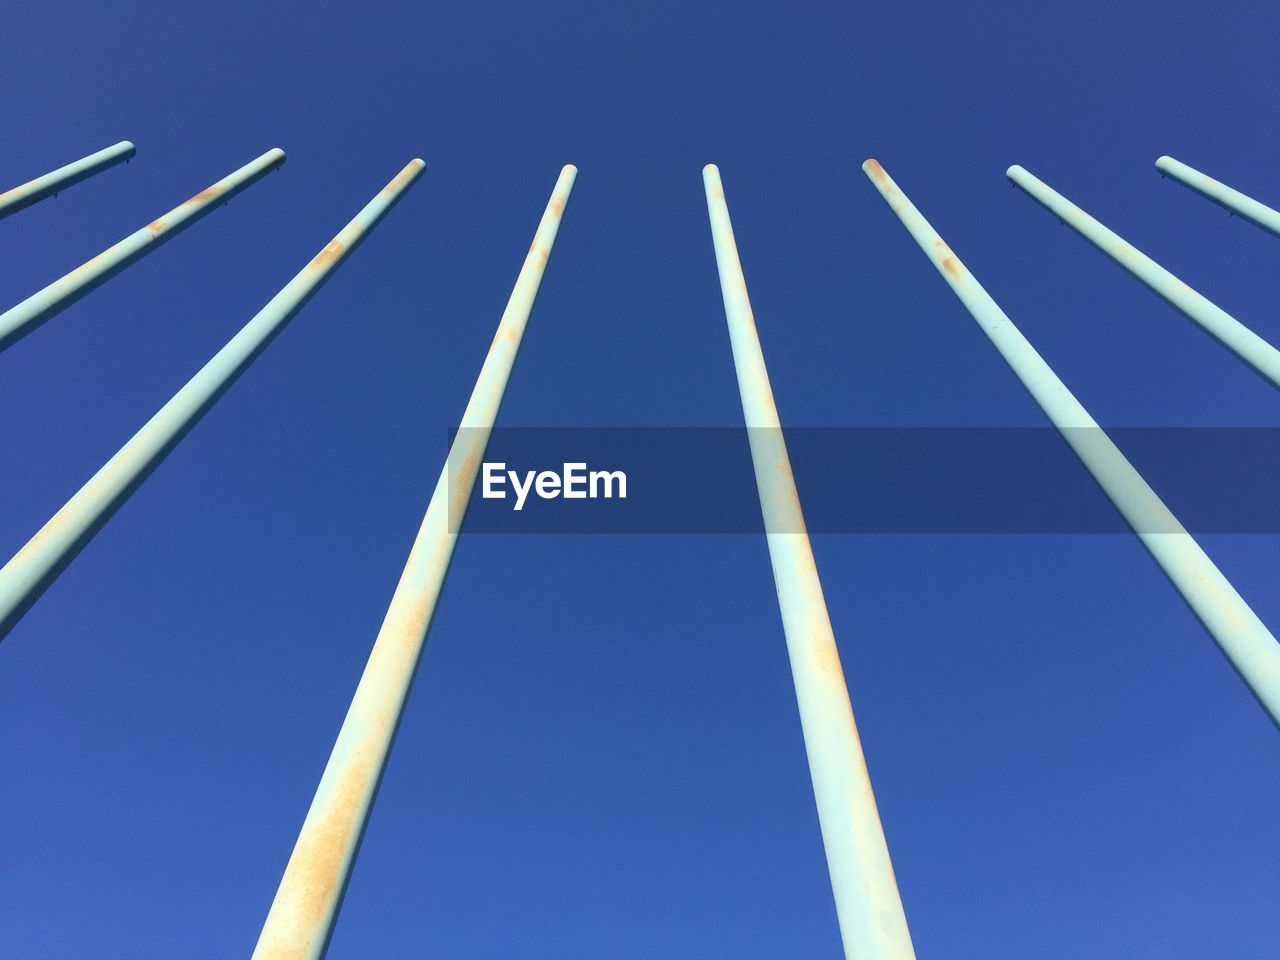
871 167
712 183
1015 171
1165 162
276 156
569 168
127 147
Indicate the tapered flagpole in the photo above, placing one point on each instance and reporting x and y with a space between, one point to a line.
20 320
1231 200
33 191
25 577
1245 639
868 906
302 916
1223 327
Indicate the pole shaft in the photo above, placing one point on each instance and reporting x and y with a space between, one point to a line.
29 573
1229 199
1245 640
302 916
20 320
33 191
868 906
1223 327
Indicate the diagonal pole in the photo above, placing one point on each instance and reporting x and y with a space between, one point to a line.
1233 201
1219 324
302 916
18 321
33 568
1245 639
33 191
868 906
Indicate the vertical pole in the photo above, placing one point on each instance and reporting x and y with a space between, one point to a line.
20 320
33 191
33 568
1245 640
1230 200
1223 327
302 916
868 906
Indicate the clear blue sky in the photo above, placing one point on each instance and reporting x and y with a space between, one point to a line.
601 757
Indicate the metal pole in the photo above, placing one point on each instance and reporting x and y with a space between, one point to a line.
868 906
33 568
18 321
1226 329
33 191
1245 640
1230 200
302 916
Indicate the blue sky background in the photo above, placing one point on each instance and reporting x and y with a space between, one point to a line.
601 757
